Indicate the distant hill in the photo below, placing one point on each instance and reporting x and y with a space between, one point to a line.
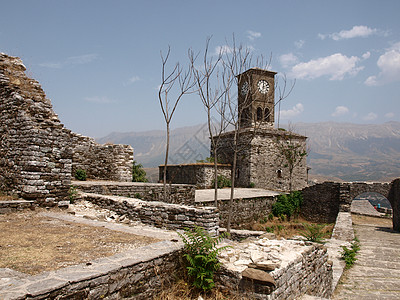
346 151
353 151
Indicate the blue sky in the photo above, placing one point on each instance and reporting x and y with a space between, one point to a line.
99 61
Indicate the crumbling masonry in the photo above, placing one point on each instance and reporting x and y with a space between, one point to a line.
38 155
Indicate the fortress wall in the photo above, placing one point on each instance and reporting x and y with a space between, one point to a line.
106 162
37 153
35 156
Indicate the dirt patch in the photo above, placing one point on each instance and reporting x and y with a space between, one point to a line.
32 243
285 229
366 220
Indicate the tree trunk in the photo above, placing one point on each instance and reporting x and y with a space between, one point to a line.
215 178
165 165
233 175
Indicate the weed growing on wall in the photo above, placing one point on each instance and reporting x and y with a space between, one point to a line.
349 254
72 194
201 256
287 206
80 175
314 232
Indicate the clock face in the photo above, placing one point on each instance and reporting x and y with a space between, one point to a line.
245 88
263 86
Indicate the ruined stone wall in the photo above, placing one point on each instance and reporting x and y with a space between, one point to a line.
260 159
176 193
35 157
200 174
159 214
107 162
260 268
37 154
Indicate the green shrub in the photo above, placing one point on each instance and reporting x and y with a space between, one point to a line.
138 174
270 216
201 256
314 232
288 205
252 185
222 181
80 175
349 254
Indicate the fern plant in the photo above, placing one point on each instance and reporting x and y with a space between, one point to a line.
201 256
314 232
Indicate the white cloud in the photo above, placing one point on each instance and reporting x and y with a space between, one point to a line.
336 66
71 61
389 64
101 100
366 55
288 59
252 35
371 116
290 113
299 44
340 111
356 31
134 79
389 115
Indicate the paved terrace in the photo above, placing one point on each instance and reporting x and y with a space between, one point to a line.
224 194
376 274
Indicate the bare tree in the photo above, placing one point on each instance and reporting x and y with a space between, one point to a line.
207 77
177 82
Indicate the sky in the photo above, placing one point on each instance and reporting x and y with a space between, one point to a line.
99 61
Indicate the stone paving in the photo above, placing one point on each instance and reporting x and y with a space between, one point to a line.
224 194
376 274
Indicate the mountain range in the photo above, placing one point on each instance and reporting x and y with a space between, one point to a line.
338 151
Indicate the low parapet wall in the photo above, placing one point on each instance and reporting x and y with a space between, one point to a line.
159 214
140 273
176 193
248 204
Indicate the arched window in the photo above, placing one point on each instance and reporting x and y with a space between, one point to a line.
279 173
259 114
267 115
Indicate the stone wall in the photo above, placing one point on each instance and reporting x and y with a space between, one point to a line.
177 193
137 274
107 162
244 209
37 154
199 174
159 214
321 202
394 198
260 158
276 269
35 157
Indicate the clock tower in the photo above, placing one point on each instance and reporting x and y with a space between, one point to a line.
256 100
